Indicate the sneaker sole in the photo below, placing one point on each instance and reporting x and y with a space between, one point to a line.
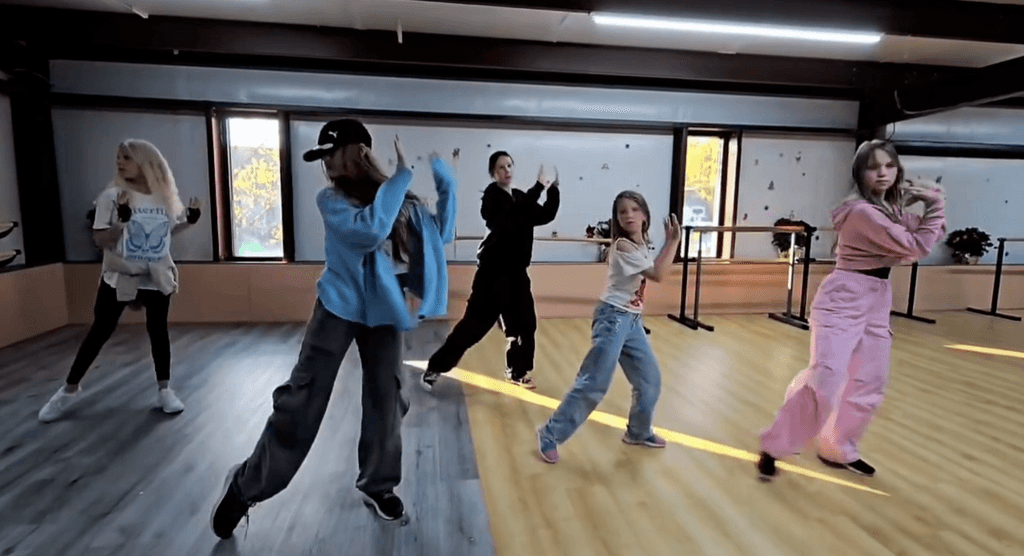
426 385
836 465
223 493
643 443
173 411
372 504
521 385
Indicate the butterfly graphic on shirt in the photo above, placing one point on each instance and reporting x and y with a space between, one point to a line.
143 244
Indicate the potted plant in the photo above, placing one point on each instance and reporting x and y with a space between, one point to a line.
968 245
781 239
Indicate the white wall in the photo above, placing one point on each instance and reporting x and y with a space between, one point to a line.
86 144
10 207
980 193
784 175
641 162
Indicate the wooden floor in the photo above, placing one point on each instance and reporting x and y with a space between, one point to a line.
118 477
948 444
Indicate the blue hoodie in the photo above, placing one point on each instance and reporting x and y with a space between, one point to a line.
358 283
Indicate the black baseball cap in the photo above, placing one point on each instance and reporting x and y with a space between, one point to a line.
338 133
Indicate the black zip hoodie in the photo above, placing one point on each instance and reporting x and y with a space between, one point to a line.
510 220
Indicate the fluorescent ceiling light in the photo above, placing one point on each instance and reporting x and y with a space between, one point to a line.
737 29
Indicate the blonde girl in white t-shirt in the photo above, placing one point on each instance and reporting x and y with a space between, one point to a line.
135 218
617 332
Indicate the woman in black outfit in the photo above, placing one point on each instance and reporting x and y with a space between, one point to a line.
501 288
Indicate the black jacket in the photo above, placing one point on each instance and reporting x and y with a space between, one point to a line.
510 220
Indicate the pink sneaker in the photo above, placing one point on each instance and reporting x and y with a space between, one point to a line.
551 454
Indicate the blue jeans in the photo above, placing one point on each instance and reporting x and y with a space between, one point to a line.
618 337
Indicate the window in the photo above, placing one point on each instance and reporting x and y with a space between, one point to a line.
703 190
254 157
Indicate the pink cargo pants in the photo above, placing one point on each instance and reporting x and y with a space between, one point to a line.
836 396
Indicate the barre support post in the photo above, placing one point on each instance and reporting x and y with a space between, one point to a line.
788 317
682 318
994 312
910 301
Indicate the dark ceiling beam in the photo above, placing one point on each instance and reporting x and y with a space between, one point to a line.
995 83
947 19
109 36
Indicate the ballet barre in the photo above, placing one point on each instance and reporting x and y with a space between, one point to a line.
993 312
910 299
694 322
594 240
807 259
605 241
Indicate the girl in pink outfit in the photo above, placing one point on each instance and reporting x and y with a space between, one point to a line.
836 396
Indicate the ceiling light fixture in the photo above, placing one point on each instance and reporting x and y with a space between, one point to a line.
737 29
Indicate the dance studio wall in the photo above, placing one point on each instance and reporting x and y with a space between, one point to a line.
786 176
31 300
217 292
593 167
10 208
86 144
980 193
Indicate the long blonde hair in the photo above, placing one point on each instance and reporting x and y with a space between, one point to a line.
157 173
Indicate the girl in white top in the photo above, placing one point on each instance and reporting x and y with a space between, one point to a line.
617 332
135 218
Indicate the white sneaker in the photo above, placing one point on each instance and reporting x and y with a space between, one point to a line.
170 402
57 405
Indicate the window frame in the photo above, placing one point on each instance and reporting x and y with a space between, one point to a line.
682 137
220 149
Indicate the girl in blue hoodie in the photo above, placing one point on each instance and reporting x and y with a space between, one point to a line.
375 229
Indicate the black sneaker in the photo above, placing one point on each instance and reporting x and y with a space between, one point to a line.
859 467
647 331
230 508
766 468
387 504
428 380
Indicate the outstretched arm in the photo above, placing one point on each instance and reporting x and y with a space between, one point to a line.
444 180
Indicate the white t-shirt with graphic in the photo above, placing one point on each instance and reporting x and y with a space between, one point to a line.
146 237
626 285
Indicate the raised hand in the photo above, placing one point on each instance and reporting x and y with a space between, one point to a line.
124 210
399 152
555 182
923 191
540 175
193 211
673 233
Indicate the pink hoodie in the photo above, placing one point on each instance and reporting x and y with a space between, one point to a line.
869 239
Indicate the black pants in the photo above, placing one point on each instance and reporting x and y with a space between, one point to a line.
500 296
106 314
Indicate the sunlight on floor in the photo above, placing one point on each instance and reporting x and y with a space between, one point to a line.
501 387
